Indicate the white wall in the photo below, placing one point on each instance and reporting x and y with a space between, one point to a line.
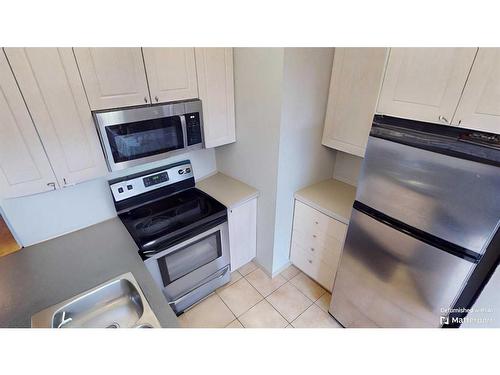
253 158
347 168
280 98
39 217
303 160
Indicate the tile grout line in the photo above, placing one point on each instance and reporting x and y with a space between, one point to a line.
267 276
288 281
313 302
289 322
265 299
225 304
321 311
275 309
302 313
232 321
324 290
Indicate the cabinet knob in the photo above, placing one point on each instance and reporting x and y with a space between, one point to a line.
156 98
145 100
52 185
315 222
310 261
314 236
443 119
312 248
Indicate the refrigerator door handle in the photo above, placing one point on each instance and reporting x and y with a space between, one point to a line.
389 278
418 234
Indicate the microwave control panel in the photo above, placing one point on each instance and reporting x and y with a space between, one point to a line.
193 128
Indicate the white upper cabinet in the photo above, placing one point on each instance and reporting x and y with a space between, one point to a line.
54 94
113 77
171 73
425 83
24 167
214 67
479 107
354 87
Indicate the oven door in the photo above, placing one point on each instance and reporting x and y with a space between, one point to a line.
189 271
138 142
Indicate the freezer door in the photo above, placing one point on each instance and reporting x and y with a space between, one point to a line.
452 198
387 278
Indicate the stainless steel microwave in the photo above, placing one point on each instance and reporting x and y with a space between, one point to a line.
133 136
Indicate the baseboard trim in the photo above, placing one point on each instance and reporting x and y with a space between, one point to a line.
281 269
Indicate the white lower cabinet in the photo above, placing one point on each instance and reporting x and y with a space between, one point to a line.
242 221
317 242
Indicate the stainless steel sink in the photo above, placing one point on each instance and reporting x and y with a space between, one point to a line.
117 303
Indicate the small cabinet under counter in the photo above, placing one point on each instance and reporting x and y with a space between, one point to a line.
321 217
241 202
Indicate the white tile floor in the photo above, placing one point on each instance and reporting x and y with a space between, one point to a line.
253 300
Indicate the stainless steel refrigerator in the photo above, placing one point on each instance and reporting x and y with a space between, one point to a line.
427 206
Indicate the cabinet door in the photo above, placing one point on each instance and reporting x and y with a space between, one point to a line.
242 222
24 167
171 73
214 67
354 87
479 106
425 83
53 91
113 77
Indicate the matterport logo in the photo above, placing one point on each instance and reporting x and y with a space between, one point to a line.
469 318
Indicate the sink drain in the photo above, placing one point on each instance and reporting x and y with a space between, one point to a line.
113 325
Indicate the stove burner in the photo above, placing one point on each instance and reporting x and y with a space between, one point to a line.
154 225
168 219
162 220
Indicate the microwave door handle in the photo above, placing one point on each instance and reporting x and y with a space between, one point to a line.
184 130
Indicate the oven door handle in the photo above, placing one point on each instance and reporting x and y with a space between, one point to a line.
218 275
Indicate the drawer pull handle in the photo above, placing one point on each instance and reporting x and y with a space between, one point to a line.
310 261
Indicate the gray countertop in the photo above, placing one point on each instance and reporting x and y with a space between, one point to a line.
45 274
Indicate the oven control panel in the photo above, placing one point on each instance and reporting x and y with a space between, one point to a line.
143 182
155 179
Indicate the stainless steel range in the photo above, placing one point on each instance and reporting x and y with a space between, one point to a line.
182 233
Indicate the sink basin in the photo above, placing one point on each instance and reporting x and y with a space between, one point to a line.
117 303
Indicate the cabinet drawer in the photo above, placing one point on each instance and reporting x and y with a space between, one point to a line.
312 266
328 251
311 221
